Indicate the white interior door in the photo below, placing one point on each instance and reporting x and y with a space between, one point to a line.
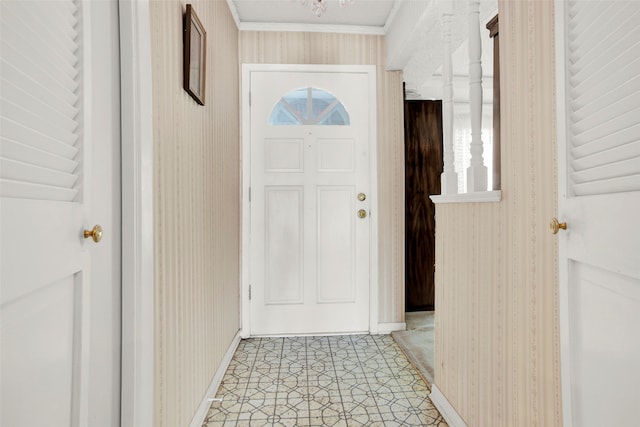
59 175
310 143
599 198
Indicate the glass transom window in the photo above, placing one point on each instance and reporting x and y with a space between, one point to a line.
309 106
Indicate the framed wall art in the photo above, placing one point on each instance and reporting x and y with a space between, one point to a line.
195 55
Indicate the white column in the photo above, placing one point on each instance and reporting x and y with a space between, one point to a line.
477 171
449 177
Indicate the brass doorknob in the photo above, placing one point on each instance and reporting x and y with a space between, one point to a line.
555 226
362 213
95 234
362 197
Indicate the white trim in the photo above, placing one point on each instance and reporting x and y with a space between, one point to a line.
245 137
247 69
445 408
563 273
203 409
234 12
311 28
392 15
137 215
476 197
387 328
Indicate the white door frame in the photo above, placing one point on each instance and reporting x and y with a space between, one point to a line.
137 215
563 280
247 69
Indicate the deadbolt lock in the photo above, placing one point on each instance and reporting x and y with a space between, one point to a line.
362 197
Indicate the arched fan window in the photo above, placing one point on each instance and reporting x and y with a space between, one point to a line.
309 106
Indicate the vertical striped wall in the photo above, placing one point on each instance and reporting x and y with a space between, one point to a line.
497 338
197 215
321 48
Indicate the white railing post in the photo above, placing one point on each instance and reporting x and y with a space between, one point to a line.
449 177
477 171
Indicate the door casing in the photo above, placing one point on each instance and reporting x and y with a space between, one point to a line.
136 399
247 69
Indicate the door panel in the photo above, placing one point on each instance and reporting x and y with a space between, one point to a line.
423 166
309 249
599 199
284 219
336 244
38 343
604 316
59 175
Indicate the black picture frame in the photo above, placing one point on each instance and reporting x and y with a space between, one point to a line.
195 56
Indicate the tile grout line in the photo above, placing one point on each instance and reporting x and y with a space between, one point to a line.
308 390
246 390
275 403
343 414
392 373
366 378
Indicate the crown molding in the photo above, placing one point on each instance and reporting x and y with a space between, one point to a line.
311 28
234 12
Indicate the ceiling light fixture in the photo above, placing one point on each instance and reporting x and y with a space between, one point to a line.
318 7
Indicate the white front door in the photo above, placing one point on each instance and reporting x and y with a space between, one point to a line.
599 199
310 202
59 175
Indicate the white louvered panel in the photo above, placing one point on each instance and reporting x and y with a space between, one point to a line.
614 185
24 190
604 96
608 97
37 106
24 153
610 156
40 100
61 100
18 132
603 77
27 172
612 140
56 18
626 115
583 18
38 44
24 113
608 16
583 55
59 85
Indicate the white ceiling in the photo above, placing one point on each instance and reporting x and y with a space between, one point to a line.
369 13
412 29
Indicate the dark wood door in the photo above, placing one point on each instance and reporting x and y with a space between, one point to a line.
423 166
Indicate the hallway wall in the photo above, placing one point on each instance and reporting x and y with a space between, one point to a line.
197 211
497 332
326 48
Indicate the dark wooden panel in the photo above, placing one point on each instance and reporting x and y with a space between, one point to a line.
423 157
492 26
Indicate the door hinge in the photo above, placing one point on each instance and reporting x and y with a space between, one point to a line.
249 292
249 99
249 194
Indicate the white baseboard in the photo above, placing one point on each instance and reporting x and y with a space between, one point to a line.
203 409
445 408
387 328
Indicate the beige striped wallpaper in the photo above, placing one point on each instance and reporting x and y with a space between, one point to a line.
321 48
197 213
497 339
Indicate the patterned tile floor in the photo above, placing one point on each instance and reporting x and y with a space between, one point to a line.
349 380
